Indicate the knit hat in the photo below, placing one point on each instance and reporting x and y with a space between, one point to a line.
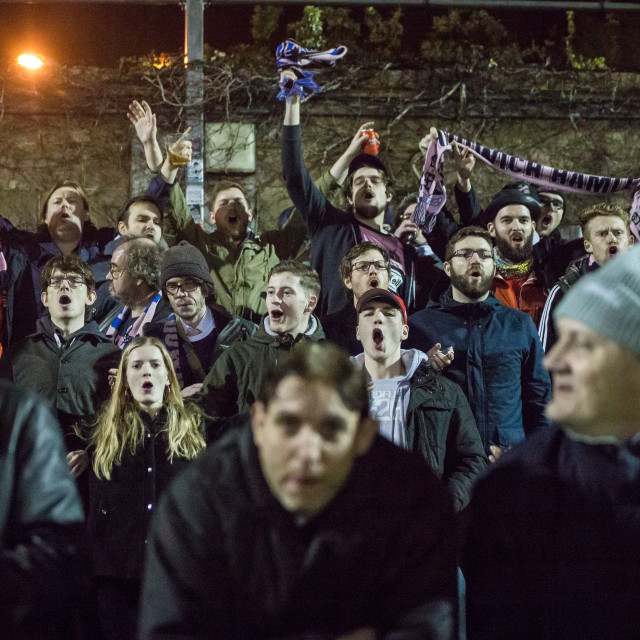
385 296
555 192
608 300
513 193
182 261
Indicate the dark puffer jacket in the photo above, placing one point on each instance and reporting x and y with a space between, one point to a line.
497 362
441 427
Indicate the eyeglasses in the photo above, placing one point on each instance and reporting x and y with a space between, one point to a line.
72 281
187 287
365 265
554 204
467 254
115 271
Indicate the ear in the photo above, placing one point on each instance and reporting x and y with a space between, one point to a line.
447 268
491 228
367 431
122 228
358 332
258 413
632 239
212 217
347 283
533 222
588 247
44 298
91 298
311 304
250 214
389 196
405 331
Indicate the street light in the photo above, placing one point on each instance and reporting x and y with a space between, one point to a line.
30 61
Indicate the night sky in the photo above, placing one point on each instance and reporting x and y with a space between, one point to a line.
73 33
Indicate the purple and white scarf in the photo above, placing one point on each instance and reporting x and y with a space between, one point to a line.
433 194
290 55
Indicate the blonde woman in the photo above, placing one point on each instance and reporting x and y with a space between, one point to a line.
144 437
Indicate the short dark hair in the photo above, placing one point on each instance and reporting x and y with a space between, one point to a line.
309 278
124 213
602 209
324 363
346 264
72 184
223 185
67 264
466 232
143 259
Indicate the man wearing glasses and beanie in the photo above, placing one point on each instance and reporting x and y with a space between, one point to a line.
198 330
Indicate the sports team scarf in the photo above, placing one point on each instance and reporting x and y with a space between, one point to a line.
290 55
172 332
135 331
433 194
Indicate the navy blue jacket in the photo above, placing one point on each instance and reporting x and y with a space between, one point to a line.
333 232
497 362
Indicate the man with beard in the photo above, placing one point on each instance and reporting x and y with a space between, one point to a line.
552 548
511 220
606 233
198 330
232 385
239 260
334 231
497 355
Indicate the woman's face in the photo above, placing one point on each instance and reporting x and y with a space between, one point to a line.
147 377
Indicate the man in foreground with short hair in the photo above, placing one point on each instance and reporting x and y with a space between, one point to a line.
416 408
557 555
198 330
497 355
305 524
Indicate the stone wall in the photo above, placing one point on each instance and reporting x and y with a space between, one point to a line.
72 124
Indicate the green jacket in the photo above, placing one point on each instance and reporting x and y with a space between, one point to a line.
233 383
240 274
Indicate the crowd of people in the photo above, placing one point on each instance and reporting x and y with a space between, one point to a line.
350 427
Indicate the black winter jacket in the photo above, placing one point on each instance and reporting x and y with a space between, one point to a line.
72 378
233 383
227 561
120 509
40 522
497 362
441 427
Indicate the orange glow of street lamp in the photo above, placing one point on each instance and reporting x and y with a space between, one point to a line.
30 61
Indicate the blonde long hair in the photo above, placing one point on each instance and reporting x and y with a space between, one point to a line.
119 426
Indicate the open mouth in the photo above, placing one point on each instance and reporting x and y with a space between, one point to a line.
475 273
64 299
147 385
276 314
232 219
613 250
378 337
368 194
546 220
374 283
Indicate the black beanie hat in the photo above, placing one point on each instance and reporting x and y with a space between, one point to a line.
183 261
513 193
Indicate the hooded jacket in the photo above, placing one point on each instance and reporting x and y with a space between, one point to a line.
233 383
71 376
497 362
439 425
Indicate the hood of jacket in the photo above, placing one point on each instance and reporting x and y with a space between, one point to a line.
46 328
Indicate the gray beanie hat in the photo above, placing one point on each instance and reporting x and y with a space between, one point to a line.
608 301
183 261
